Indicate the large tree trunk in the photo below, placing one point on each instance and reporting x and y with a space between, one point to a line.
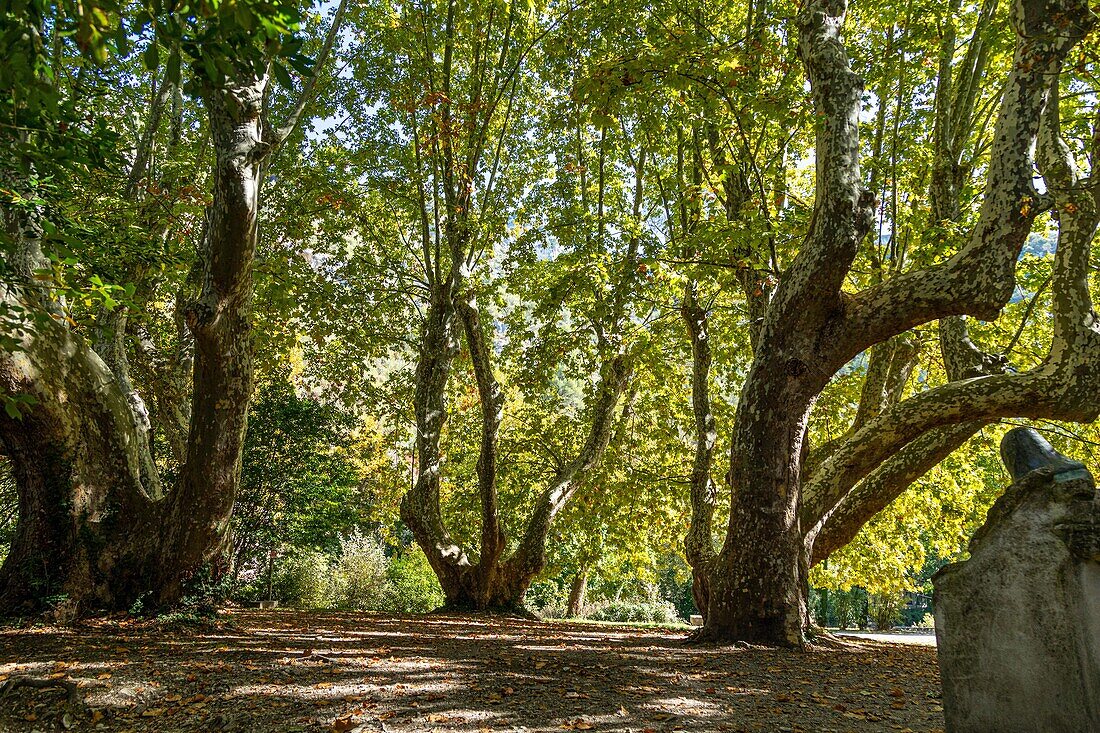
491 581
699 541
93 526
74 446
812 328
758 581
82 508
196 522
420 511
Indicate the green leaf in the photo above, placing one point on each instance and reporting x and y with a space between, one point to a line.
172 69
151 57
244 17
210 66
302 64
282 75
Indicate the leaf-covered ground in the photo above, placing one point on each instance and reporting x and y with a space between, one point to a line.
295 671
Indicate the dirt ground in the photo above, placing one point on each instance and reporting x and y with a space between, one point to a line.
284 671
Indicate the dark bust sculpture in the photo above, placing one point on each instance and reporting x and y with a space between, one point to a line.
1024 450
1018 624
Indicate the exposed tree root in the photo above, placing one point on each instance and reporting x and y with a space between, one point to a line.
706 636
14 683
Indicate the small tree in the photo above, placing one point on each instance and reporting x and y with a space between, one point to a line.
300 488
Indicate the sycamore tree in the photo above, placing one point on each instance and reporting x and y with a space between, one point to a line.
97 525
761 172
520 214
790 505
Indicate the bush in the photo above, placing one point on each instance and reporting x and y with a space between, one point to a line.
674 584
848 607
885 610
554 608
654 612
360 573
548 597
303 579
413 585
359 578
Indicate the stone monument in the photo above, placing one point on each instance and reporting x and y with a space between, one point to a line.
1018 624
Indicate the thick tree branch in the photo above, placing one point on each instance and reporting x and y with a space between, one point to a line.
1066 386
979 279
531 554
837 527
843 212
143 154
492 408
439 345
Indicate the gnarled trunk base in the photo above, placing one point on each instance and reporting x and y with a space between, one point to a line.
469 588
758 594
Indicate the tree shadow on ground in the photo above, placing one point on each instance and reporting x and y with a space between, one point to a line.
301 671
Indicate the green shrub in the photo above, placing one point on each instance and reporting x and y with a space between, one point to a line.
413 585
548 597
303 579
674 585
885 610
360 578
653 612
848 606
555 608
360 574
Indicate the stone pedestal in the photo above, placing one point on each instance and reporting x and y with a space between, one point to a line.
269 604
1018 624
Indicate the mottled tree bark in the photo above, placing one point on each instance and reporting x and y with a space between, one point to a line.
699 542
467 583
811 329
757 580
577 593
220 321
84 518
826 530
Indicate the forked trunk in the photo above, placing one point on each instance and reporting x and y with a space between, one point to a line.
94 530
503 593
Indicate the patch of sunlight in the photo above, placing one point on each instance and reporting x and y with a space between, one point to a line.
680 704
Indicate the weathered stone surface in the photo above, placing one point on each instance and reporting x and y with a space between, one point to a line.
1018 624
